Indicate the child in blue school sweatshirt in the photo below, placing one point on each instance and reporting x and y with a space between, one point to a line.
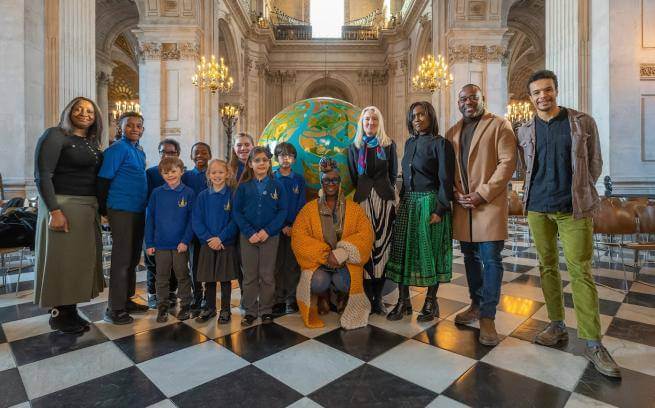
168 234
196 179
216 230
260 209
287 271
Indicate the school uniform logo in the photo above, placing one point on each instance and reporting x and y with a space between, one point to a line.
182 203
296 189
274 195
227 206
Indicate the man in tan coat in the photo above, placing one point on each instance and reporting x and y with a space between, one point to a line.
485 150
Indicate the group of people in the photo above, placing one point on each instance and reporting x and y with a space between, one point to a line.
238 220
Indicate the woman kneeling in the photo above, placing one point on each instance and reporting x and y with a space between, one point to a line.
332 240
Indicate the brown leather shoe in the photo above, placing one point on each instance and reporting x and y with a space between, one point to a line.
468 316
552 335
323 304
488 335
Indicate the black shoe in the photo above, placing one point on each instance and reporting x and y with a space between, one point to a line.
292 308
205 315
430 310
117 317
402 308
162 314
267 318
377 307
279 309
62 320
80 319
135 308
184 313
248 320
225 316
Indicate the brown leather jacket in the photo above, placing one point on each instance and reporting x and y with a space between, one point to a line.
586 161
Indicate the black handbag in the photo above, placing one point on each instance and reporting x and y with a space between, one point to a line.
18 228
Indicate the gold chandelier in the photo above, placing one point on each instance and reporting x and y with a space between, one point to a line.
432 74
519 112
213 76
125 106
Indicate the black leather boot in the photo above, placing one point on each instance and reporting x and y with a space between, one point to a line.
62 319
377 305
430 307
403 307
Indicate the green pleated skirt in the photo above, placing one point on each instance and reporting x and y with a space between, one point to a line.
421 253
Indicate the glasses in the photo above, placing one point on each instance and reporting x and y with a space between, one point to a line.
261 160
333 180
472 98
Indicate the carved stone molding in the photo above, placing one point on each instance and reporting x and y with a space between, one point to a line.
103 78
171 132
372 77
149 51
170 51
647 71
477 53
281 76
189 50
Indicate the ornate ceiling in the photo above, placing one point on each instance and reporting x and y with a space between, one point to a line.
526 21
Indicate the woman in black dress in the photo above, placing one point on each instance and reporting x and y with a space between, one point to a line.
373 167
68 242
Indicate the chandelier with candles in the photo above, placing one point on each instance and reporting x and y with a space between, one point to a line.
122 107
433 74
213 75
519 113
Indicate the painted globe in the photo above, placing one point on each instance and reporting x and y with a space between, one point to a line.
316 127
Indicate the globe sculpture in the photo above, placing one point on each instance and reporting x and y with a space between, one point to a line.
316 127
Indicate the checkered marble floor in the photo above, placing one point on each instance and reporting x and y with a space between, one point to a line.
395 364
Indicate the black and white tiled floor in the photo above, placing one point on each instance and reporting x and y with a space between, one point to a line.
395 364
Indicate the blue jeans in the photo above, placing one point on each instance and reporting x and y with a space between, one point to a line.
484 274
322 278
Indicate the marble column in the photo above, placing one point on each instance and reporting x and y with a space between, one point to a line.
103 79
69 54
567 45
150 84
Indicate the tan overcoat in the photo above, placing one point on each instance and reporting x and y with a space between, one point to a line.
491 163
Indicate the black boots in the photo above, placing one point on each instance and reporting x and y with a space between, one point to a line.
430 307
403 307
65 319
373 289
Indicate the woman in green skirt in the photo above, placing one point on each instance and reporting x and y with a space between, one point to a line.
422 252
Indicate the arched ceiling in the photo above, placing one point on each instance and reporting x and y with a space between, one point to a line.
526 20
114 17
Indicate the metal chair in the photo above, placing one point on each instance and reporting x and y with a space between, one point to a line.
646 226
4 252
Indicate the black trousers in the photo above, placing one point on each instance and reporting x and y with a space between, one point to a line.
151 274
193 260
127 240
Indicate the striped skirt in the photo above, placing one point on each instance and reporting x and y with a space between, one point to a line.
421 253
382 214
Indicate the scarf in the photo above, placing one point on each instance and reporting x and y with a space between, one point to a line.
369 142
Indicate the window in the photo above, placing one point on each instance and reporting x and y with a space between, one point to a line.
326 18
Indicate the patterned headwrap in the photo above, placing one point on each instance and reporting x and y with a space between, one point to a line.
327 164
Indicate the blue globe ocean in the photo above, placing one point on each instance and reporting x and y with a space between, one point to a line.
316 127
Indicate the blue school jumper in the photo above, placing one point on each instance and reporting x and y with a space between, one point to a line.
260 205
294 184
212 216
154 179
168 217
196 179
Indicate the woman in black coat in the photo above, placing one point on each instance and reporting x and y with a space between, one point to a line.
373 167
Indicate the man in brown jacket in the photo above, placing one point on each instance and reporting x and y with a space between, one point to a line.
485 150
561 151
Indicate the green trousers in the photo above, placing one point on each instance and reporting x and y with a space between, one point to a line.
577 241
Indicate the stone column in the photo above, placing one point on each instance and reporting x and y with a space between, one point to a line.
440 100
69 54
103 78
150 96
567 43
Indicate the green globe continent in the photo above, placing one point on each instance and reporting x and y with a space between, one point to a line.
316 127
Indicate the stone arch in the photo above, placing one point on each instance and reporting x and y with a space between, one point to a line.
226 39
333 85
